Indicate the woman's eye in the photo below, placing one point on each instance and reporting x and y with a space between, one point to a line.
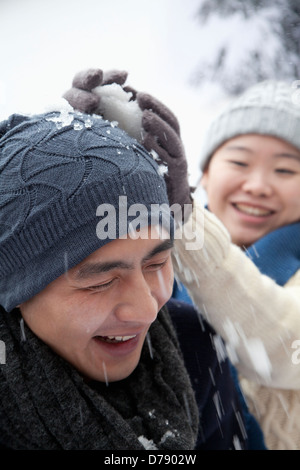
238 163
285 171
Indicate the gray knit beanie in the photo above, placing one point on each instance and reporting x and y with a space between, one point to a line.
268 108
56 169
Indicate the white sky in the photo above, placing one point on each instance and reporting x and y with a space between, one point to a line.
45 42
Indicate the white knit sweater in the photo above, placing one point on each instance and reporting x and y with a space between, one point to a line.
258 319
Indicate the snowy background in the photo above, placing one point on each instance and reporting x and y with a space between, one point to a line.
191 54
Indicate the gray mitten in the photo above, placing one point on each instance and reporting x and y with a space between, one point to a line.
104 93
162 134
141 116
82 96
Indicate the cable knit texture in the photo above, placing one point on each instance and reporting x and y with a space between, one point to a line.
50 219
259 321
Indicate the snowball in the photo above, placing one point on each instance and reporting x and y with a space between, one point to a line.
115 106
61 105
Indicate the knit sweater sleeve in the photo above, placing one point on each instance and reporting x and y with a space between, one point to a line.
258 319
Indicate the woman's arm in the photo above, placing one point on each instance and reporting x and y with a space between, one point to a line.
258 319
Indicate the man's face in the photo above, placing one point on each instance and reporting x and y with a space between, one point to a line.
253 186
97 314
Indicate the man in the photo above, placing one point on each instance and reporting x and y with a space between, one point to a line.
93 360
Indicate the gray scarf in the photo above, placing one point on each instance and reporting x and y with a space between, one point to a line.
45 404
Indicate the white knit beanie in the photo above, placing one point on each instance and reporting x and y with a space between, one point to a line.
268 108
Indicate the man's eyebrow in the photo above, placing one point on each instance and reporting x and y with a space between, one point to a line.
164 246
88 270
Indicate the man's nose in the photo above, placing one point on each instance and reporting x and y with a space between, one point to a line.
137 302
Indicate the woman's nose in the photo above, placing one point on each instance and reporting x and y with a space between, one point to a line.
258 184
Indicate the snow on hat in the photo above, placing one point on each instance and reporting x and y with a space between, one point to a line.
268 108
55 171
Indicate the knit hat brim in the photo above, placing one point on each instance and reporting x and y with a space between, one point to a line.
35 258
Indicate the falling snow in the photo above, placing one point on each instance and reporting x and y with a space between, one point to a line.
220 348
237 443
259 357
218 404
254 346
187 408
22 328
105 373
149 345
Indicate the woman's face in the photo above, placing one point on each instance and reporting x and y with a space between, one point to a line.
253 186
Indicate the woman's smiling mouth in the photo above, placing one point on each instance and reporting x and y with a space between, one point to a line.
253 210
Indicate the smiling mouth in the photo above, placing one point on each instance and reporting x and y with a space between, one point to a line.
116 339
250 210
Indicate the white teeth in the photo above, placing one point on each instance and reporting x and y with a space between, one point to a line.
253 210
120 338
